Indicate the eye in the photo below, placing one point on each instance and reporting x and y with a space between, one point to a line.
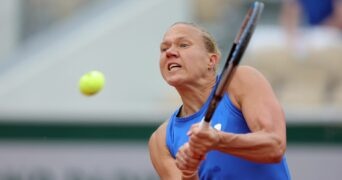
163 49
183 45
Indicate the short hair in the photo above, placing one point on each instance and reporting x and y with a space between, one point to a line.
209 41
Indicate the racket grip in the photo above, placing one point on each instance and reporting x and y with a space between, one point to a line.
204 124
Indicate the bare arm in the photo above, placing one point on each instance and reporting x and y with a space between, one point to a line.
290 16
266 143
336 18
162 161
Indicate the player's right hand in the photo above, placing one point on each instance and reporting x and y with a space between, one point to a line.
186 161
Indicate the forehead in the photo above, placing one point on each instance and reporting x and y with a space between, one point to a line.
183 31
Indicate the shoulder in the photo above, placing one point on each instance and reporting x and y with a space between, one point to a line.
157 142
247 80
159 134
244 74
161 158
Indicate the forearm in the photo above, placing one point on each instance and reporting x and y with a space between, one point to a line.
259 146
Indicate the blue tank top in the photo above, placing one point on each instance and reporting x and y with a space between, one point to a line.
317 11
218 165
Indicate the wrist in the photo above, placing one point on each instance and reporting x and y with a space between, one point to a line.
218 140
189 175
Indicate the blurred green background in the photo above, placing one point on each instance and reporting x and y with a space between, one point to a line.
50 131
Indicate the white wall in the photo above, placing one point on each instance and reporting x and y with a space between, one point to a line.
9 27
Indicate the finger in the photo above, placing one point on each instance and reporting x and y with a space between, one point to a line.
180 162
194 138
185 163
189 153
190 160
207 139
193 129
196 153
184 153
200 144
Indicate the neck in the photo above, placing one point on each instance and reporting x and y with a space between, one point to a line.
194 97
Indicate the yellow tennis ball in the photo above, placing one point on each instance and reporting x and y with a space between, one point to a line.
91 82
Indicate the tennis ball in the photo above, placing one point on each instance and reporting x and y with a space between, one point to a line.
91 82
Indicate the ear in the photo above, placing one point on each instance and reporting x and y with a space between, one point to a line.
213 60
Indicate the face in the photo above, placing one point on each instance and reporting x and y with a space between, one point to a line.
183 56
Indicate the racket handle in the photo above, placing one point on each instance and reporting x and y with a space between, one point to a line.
204 124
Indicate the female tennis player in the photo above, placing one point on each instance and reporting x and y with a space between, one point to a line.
247 137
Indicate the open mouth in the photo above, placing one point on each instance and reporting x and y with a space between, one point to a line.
173 66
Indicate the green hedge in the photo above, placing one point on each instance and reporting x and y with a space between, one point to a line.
296 133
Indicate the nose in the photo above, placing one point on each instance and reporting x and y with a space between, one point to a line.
171 52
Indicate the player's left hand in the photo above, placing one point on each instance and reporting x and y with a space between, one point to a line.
202 140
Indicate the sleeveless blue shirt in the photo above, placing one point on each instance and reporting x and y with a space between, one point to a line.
218 165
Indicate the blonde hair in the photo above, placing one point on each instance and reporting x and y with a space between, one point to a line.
209 41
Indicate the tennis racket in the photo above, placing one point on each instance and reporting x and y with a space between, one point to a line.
234 57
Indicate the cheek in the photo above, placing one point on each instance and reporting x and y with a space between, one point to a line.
200 62
161 64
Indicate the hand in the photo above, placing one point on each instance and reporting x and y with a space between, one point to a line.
186 161
202 140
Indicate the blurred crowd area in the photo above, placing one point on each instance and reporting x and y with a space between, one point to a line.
40 15
297 46
300 57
